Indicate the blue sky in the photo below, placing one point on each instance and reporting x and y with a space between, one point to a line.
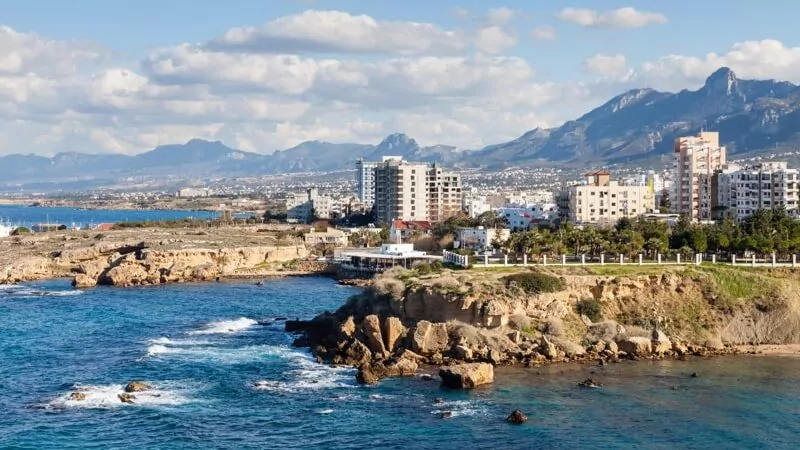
123 76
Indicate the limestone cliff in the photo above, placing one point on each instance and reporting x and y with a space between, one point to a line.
503 318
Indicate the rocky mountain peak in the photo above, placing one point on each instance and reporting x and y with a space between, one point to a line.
397 140
723 82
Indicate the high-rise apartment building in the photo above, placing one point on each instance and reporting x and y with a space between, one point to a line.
401 191
740 191
603 201
415 192
365 179
697 158
444 193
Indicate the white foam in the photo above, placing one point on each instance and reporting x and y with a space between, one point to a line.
107 396
308 375
460 408
227 326
325 411
178 342
29 292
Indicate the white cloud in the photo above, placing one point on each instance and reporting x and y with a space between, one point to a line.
608 66
618 18
494 40
340 32
21 53
544 33
500 16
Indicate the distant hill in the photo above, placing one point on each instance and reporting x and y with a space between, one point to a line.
751 115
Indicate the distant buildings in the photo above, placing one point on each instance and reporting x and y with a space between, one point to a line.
697 158
740 191
602 200
194 192
333 237
310 205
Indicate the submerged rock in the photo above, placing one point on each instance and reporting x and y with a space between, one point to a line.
466 376
517 417
590 383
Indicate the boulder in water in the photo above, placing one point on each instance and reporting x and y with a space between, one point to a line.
77 397
590 383
137 386
517 417
466 376
126 398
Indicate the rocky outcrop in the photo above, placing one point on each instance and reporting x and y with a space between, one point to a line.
466 376
517 417
429 338
636 346
137 386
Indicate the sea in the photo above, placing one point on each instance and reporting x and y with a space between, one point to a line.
27 216
225 375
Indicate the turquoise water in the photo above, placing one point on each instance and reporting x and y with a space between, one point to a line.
27 216
225 376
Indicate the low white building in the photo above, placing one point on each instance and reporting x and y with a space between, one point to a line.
521 217
480 238
337 238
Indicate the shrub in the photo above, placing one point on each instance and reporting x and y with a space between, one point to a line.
390 287
590 308
606 330
552 327
20 230
520 322
535 283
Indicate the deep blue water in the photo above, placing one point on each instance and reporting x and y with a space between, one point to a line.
28 216
224 380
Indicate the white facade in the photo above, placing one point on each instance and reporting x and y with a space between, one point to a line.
194 192
299 207
742 191
365 179
521 217
602 200
697 158
480 238
401 191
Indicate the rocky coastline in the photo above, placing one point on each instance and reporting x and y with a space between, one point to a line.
469 321
155 256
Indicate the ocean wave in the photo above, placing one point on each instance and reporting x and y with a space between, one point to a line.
226 326
458 408
307 375
107 396
31 292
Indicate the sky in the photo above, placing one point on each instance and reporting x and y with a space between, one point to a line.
264 75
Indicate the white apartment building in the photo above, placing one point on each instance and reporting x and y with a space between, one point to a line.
194 192
603 201
740 191
415 192
444 193
521 217
401 191
480 238
299 207
697 158
365 179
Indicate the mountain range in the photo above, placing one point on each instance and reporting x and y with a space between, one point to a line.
752 116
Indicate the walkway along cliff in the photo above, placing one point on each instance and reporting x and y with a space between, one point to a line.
532 316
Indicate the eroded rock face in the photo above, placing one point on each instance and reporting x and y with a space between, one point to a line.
429 338
393 333
83 281
466 376
371 327
660 343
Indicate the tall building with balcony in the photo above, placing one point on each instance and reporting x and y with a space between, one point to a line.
740 191
601 200
401 191
365 179
444 193
697 158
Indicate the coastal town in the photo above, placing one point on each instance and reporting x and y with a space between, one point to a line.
368 225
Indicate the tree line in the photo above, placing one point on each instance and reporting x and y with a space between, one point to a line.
767 231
